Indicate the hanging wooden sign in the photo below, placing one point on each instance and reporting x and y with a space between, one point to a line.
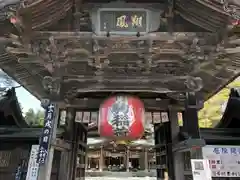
123 20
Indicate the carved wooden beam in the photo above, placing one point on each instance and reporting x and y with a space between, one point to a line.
232 50
160 36
19 51
122 79
150 104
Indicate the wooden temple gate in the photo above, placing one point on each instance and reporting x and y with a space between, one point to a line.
72 55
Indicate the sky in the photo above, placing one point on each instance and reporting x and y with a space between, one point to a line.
27 100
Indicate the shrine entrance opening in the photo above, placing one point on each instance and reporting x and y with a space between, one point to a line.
134 163
93 163
168 147
116 161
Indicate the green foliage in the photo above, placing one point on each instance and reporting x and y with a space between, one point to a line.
180 119
211 114
34 118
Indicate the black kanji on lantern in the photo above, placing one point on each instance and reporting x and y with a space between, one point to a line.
120 119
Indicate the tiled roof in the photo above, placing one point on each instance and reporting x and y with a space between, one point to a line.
11 112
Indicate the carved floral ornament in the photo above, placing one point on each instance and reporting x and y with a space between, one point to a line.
232 7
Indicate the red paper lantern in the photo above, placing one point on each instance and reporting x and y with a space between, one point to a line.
121 117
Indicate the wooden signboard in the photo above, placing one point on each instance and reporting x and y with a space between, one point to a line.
123 21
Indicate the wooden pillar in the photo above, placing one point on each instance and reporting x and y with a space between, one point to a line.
178 162
76 132
81 150
159 147
190 123
142 160
86 160
127 159
64 166
146 168
71 136
165 133
169 150
101 160
190 116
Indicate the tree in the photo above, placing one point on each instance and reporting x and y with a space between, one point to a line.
213 109
40 117
212 112
30 117
34 119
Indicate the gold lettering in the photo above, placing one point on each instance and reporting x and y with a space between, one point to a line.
136 21
121 46
121 22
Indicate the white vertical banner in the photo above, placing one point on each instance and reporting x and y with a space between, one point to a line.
201 169
33 166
